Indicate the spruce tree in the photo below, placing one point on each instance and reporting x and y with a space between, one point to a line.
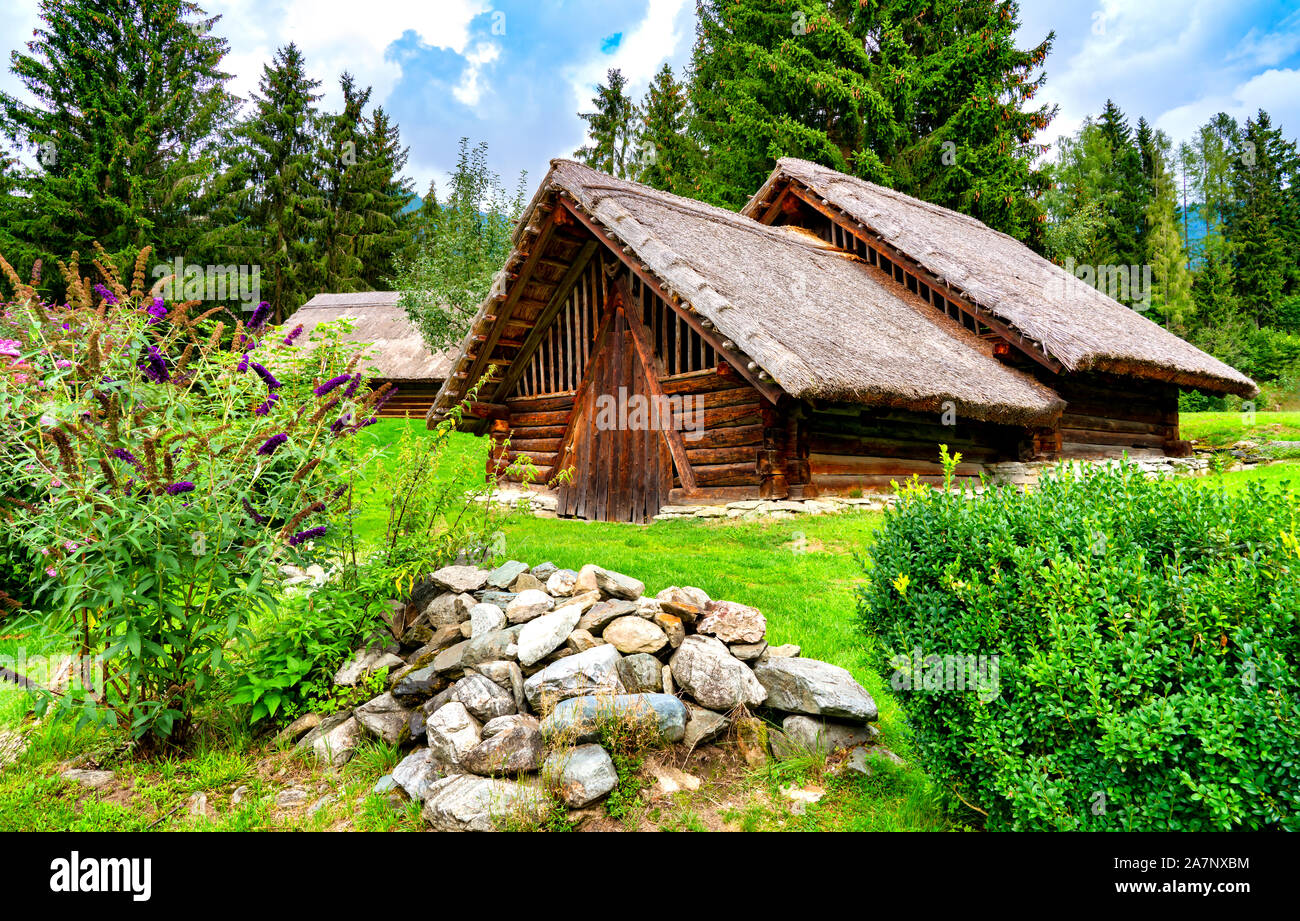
611 128
931 99
1124 187
130 100
386 227
345 192
270 206
666 154
1254 221
1171 294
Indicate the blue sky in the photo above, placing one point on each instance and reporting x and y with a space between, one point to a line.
514 74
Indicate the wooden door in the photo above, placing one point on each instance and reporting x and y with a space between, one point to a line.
622 472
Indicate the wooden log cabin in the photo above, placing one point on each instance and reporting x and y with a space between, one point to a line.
656 350
395 353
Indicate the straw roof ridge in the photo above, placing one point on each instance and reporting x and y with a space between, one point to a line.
1075 323
823 325
395 349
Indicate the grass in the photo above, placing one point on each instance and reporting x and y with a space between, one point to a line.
801 572
1221 430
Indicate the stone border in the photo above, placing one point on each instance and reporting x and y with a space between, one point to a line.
1023 474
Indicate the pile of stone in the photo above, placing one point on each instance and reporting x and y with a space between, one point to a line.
506 680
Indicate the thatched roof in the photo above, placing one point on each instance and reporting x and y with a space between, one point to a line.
1074 323
396 350
820 322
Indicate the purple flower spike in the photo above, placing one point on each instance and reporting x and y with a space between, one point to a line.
352 387
297 331
105 294
267 376
252 513
268 447
266 407
123 454
155 366
177 488
157 310
243 364
332 384
259 317
307 535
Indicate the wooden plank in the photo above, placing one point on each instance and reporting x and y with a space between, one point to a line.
739 455
676 447
770 390
727 474
507 307
713 495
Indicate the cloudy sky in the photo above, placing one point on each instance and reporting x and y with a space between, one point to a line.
515 74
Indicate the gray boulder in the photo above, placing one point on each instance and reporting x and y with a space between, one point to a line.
703 725
704 669
505 574
334 746
641 674
592 672
528 605
507 676
465 802
562 582
491 647
600 614
579 719
610 584
580 775
460 578
483 697
416 772
547 633
813 687
449 661
385 718
807 733
417 685
511 745
448 608
634 634
451 732
485 618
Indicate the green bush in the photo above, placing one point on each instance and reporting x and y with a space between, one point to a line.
165 478
1148 644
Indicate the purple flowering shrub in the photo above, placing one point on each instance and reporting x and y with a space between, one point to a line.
160 469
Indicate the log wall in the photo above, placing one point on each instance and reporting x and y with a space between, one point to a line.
1106 414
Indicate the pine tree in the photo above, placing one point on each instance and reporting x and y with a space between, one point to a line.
130 99
386 227
1125 189
270 202
345 192
1253 220
611 129
666 154
928 98
1171 295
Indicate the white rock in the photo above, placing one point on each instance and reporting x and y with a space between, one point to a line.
543 635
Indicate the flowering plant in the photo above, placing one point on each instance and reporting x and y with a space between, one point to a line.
151 464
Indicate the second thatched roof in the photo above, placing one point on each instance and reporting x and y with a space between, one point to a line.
1075 323
396 352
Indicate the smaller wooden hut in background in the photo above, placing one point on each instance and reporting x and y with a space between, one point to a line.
396 352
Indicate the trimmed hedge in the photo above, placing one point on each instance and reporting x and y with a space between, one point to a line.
1148 641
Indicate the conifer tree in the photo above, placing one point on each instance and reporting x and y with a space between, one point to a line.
666 154
270 208
130 101
1171 295
611 128
1256 216
345 192
933 101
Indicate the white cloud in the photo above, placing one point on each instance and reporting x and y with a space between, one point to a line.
1277 91
470 90
641 52
339 35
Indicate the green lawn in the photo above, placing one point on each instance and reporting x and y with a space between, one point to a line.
800 572
1221 430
